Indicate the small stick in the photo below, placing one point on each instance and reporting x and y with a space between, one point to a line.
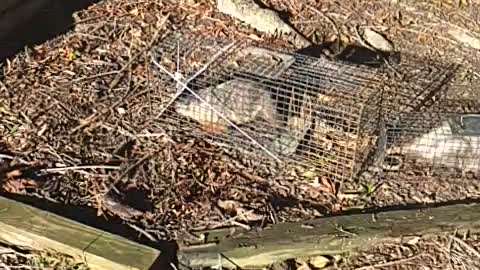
233 220
465 245
390 263
62 169
136 164
12 158
149 236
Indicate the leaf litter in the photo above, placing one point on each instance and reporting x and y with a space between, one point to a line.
85 100
84 105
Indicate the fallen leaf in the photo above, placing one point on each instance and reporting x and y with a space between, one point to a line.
14 173
228 205
319 262
17 186
121 111
465 37
327 183
309 175
134 12
254 37
377 40
412 240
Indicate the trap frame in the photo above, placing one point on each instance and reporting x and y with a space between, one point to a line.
279 105
434 144
437 142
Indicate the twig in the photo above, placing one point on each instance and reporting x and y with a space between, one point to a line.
3 86
62 169
233 220
149 236
390 263
93 77
465 245
245 226
174 267
133 166
13 158
476 74
220 261
148 135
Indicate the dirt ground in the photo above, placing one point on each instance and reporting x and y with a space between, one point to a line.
78 117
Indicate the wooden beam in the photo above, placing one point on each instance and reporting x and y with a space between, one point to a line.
327 236
26 226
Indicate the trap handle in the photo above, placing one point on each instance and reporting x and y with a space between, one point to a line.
467 124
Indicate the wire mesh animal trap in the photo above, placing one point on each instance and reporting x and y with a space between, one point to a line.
274 104
434 144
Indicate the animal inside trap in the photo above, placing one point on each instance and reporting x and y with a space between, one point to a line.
273 104
434 144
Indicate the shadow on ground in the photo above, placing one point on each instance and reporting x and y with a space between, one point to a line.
30 22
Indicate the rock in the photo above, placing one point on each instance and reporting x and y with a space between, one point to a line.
377 40
319 262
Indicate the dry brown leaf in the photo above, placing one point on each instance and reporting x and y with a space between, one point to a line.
254 37
319 262
13 174
377 40
16 186
324 185
227 205
327 183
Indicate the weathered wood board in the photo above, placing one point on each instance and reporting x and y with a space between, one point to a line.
26 226
328 236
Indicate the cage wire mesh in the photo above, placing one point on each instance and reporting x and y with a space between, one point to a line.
415 84
412 85
434 144
273 104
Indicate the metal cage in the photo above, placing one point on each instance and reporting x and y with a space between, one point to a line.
434 144
273 104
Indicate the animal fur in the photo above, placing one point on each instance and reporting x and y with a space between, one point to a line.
238 100
440 147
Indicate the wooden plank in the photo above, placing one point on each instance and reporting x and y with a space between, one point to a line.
23 225
327 236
